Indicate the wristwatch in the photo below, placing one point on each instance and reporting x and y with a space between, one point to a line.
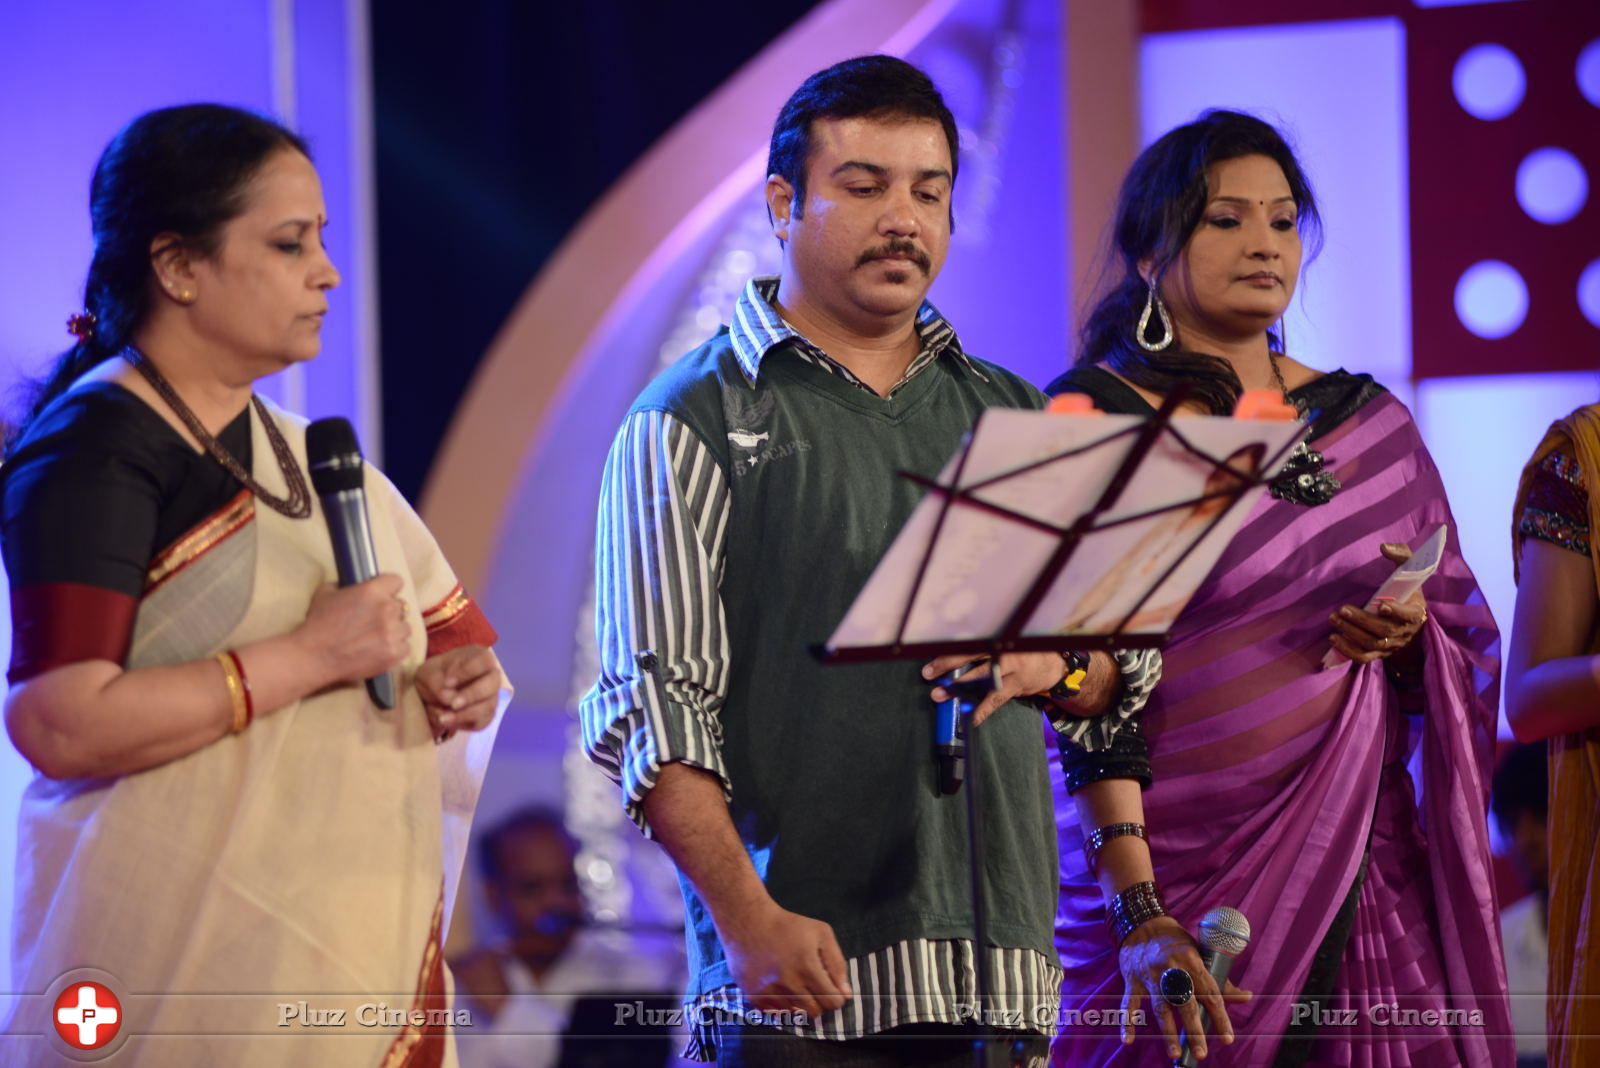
1072 681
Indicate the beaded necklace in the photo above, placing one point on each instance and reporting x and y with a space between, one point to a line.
297 505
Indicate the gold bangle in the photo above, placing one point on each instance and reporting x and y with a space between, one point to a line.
236 694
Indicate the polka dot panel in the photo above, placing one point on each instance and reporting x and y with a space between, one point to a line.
1504 149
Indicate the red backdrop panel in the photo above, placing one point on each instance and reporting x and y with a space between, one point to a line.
1463 187
1168 16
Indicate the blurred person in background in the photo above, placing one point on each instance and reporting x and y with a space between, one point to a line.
1520 802
523 989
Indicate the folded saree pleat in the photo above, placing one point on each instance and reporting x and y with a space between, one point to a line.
1271 776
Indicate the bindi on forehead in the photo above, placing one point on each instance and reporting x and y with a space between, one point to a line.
1289 199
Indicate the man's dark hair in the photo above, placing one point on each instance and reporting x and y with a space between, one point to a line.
871 87
531 818
1521 784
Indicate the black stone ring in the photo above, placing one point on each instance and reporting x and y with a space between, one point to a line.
1177 987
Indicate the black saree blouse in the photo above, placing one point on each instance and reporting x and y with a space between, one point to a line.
98 486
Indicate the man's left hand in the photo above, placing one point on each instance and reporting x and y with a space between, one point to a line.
459 689
1021 675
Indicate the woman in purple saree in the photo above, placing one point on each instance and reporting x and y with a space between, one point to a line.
1273 786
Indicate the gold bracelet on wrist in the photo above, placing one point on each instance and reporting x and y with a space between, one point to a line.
238 690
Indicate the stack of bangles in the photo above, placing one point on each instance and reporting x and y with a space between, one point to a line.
1135 904
244 706
1132 906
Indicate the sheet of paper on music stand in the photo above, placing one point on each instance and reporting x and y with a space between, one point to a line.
983 564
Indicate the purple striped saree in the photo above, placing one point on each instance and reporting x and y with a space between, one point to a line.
1273 777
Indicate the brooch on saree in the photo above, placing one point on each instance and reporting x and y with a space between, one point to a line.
1303 479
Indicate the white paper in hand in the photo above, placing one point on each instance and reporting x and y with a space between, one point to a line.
1406 579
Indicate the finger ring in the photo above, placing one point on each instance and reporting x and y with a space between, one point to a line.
1383 643
1177 987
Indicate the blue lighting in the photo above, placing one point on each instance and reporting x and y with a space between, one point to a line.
1589 292
1491 299
1551 185
1589 72
1488 81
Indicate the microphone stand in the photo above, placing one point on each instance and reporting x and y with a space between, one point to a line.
986 1052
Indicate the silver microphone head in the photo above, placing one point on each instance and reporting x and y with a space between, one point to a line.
1225 930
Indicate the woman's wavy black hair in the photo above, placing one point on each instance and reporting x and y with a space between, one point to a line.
1162 201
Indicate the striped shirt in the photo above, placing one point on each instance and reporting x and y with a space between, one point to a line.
663 648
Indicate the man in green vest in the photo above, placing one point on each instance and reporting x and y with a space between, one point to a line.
750 492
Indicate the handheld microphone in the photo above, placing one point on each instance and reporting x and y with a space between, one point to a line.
950 734
334 457
1224 933
950 745
950 726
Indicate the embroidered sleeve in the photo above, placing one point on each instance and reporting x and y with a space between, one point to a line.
659 620
1112 746
1557 510
1127 757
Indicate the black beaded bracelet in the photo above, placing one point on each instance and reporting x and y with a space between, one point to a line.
1131 907
1096 841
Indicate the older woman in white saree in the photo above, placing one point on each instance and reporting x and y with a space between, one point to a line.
224 831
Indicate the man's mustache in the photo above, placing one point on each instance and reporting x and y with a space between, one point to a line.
902 248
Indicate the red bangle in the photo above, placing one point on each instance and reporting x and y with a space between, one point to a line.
244 683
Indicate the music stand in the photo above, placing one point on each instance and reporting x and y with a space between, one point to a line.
904 610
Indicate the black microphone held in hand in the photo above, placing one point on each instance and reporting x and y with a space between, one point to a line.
1224 933
334 457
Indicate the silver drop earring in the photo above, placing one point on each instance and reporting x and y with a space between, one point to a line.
1153 303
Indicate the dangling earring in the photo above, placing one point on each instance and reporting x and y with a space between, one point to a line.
1154 303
